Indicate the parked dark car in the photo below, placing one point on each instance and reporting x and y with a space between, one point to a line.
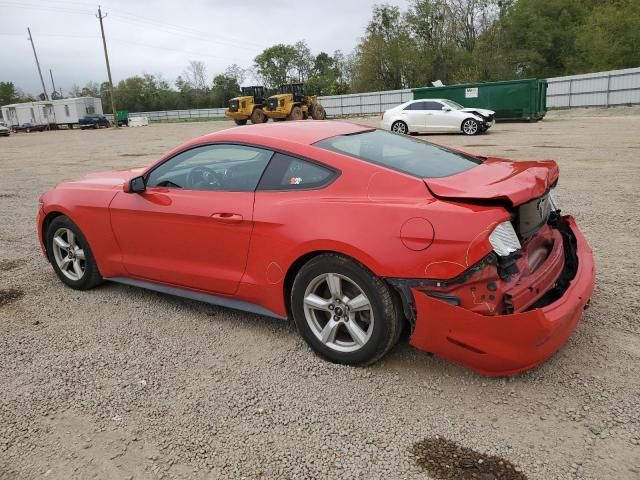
30 127
93 121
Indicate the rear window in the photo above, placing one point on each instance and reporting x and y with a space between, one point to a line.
401 152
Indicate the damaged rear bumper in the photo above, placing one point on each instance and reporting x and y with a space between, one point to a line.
505 344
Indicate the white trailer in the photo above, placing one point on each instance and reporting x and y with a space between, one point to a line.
66 111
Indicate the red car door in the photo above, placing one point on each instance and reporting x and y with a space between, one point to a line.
196 236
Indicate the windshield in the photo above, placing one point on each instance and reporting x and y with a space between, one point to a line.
452 104
400 152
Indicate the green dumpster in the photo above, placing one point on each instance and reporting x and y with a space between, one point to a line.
122 117
510 99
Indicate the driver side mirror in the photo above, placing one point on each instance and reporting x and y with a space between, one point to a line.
446 109
135 185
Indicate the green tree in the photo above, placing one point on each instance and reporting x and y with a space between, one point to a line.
387 57
275 65
10 94
224 89
609 38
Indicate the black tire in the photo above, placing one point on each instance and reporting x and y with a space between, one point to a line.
319 112
387 312
91 276
305 115
257 116
400 127
296 113
240 122
470 126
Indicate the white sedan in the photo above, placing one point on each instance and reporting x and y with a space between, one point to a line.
437 116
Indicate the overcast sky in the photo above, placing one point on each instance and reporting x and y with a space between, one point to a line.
161 36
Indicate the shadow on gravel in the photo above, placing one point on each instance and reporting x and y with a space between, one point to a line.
446 460
8 295
6 265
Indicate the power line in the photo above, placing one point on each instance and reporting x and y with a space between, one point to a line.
147 22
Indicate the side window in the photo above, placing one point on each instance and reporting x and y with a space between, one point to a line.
432 106
232 168
290 173
410 106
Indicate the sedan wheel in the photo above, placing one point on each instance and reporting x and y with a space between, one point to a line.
344 312
400 127
470 126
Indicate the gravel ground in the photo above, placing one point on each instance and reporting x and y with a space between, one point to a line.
121 383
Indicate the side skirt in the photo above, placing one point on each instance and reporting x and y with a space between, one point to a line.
199 296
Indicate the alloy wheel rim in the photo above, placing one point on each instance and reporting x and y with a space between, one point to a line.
399 128
338 312
68 254
470 127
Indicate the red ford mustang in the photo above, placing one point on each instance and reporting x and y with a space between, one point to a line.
353 232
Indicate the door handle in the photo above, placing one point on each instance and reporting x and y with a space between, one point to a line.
227 217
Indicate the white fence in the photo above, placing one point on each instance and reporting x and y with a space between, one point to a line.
359 104
602 89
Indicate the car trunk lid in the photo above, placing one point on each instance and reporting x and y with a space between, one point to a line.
497 179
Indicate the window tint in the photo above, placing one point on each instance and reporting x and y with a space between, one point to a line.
432 106
400 152
290 173
416 106
235 168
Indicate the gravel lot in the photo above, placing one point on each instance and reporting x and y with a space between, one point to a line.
122 383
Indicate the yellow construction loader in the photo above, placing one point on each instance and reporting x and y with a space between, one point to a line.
292 104
249 106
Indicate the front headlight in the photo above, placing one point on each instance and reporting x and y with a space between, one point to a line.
504 239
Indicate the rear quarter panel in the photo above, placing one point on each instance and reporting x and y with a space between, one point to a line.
361 216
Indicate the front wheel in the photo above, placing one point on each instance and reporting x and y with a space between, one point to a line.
470 127
400 127
343 311
71 255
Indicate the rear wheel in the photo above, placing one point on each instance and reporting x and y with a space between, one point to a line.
71 255
400 127
343 311
470 127
257 116
240 122
296 113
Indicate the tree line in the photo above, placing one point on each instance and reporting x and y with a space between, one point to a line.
449 40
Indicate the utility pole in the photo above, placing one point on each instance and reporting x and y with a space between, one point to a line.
106 58
44 89
52 82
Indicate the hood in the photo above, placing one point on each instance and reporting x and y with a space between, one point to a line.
498 179
481 111
107 180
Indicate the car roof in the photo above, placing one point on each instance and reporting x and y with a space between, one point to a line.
305 132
